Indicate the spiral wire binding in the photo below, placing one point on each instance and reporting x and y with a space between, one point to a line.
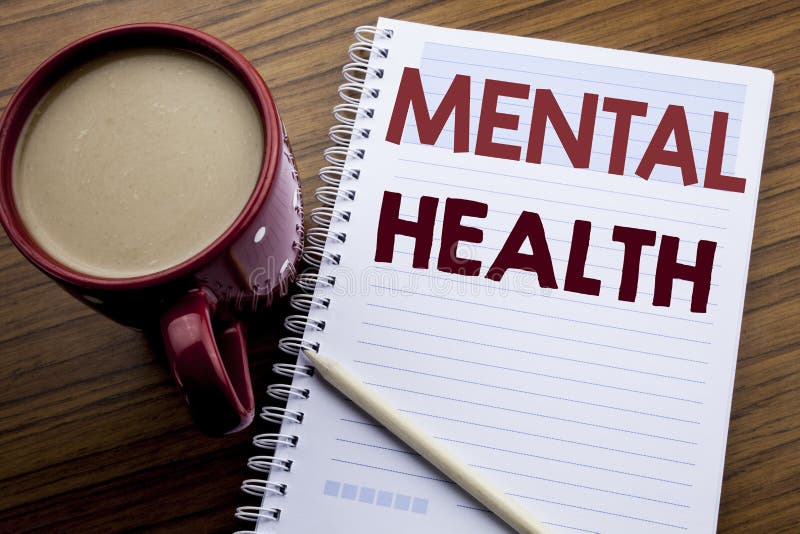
335 177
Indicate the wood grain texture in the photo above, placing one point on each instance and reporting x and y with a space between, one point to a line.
94 436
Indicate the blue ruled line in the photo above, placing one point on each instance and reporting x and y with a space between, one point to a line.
532 179
574 204
515 349
555 418
529 434
396 471
545 416
476 508
576 464
376 446
526 392
583 63
531 332
548 316
603 490
550 74
524 412
415 475
539 457
604 512
534 373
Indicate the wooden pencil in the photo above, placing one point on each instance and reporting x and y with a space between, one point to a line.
437 454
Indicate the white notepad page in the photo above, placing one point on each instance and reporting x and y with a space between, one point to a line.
599 415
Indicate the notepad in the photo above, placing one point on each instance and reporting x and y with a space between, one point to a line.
578 340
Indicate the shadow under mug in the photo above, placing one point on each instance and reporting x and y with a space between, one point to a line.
198 304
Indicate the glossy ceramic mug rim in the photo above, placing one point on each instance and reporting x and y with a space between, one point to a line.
19 108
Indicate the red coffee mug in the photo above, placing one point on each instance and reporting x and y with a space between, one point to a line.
198 303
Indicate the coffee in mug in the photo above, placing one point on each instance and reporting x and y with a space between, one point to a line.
146 170
136 161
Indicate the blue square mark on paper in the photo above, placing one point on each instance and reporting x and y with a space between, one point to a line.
331 488
349 491
385 498
402 502
366 495
419 506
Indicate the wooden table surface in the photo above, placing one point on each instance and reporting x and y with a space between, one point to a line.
94 436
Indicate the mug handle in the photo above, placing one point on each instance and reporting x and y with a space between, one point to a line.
211 370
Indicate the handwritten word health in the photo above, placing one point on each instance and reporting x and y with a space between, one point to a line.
528 228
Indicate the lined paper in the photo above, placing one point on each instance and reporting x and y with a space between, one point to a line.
598 415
